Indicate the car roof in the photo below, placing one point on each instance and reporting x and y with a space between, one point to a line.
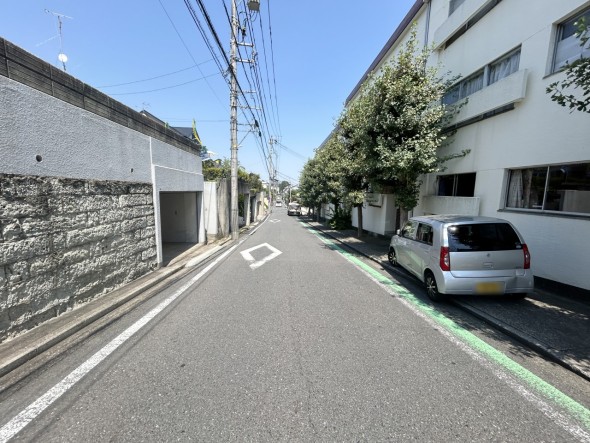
459 219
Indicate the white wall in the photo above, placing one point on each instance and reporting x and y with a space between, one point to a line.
210 208
74 143
380 220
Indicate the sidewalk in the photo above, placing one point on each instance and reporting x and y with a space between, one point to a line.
555 325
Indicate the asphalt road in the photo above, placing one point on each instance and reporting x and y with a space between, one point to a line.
290 338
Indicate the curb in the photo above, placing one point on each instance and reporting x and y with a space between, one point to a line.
524 338
518 335
23 348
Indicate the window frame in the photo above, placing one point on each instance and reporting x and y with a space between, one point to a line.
542 204
559 28
486 70
456 184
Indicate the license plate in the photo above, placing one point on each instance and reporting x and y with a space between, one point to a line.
489 288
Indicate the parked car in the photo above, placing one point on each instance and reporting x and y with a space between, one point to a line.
454 254
278 204
294 209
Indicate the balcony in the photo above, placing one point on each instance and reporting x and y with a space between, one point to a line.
508 90
461 19
434 204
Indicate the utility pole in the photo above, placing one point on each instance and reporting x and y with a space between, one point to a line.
253 5
233 123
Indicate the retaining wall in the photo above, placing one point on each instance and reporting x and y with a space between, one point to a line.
66 241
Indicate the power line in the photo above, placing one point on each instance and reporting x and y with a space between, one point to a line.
167 87
190 53
153 78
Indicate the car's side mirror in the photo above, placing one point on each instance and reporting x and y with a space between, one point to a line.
398 232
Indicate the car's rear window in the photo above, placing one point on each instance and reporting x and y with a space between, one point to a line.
482 237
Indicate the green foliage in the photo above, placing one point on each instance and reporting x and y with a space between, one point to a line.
577 77
393 129
282 185
329 177
215 170
341 219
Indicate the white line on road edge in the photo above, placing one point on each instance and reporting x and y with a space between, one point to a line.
513 374
15 425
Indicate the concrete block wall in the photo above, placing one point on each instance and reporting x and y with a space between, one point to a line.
66 241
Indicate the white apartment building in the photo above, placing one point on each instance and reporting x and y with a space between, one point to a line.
530 158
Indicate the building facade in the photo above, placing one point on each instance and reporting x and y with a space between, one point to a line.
529 159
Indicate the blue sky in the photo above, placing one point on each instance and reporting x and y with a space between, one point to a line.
321 48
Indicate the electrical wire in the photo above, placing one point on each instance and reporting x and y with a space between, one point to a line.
167 87
190 54
153 78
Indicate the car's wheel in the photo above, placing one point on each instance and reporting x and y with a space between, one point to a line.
518 296
392 257
432 287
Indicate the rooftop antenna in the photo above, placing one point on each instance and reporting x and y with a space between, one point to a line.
61 56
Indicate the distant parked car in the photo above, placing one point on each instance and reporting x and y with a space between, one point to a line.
454 254
277 204
294 209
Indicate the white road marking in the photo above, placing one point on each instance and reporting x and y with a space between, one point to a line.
256 264
274 220
15 425
26 416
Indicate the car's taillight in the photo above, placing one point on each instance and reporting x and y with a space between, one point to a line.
445 259
527 257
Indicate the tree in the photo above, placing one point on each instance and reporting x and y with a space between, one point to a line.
310 190
347 173
282 185
577 77
394 128
215 170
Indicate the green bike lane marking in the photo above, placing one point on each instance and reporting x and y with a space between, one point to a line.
548 391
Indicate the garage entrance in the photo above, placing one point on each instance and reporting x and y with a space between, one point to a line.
179 215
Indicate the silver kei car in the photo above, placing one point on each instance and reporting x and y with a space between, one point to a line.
455 254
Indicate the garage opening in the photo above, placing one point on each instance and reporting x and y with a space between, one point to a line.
179 215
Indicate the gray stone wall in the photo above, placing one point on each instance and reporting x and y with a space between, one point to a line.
66 241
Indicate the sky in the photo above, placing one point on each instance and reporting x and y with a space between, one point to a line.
150 55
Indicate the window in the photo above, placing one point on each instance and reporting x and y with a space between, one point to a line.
454 4
456 185
563 188
409 229
483 237
567 48
425 233
497 70
464 88
503 67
